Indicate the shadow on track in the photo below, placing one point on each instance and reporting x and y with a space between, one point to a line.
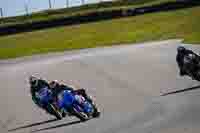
182 90
31 125
57 126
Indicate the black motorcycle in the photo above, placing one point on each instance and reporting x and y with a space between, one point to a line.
191 66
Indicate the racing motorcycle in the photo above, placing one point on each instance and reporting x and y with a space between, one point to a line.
192 66
45 100
77 105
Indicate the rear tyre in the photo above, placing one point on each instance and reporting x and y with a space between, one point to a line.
55 112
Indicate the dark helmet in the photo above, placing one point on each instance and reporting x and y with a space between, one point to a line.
33 80
181 49
53 84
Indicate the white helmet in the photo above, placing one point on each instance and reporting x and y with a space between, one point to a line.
80 99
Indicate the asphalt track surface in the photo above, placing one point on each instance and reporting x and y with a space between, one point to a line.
127 82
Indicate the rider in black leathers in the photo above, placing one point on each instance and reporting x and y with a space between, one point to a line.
181 54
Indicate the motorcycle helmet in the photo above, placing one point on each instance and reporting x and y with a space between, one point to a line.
80 99
181 49
33 80
53 84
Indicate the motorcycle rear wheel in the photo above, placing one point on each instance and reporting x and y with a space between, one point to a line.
55 112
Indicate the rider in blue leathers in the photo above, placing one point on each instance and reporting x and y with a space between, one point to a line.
57 88
36 85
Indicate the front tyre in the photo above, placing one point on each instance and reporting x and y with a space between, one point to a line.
96 112
82 116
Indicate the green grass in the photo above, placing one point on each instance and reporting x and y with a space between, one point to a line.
60 13
184 23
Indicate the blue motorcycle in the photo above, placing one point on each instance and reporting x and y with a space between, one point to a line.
70 102
45 100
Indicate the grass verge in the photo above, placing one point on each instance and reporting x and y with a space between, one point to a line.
74 11
182 23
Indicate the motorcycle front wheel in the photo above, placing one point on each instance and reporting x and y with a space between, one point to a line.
82 116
